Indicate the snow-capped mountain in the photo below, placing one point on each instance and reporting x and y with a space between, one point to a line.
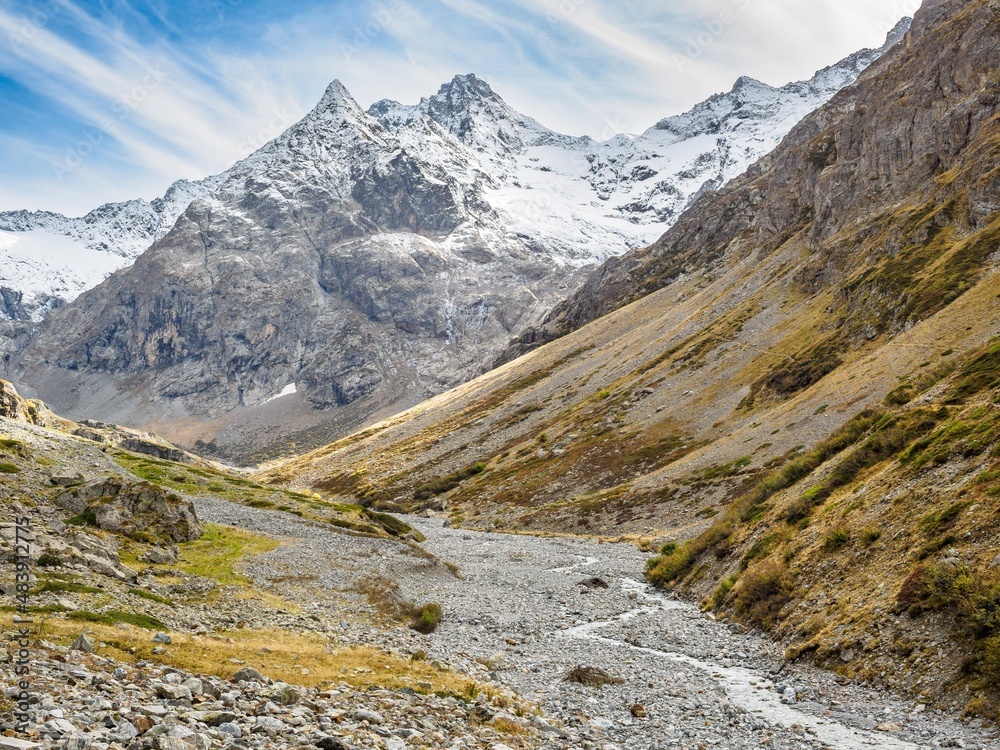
579 199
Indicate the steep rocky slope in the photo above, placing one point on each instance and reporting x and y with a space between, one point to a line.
365 260
857 263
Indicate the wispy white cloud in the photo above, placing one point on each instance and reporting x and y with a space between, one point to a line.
175 108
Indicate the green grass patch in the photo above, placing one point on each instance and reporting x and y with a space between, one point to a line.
115 616
150 596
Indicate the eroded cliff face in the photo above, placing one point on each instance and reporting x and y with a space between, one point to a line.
902 154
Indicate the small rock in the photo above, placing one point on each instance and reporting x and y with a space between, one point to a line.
249 674
83 643
370 716
285 695
173 692
395 743
789 696
638 711
889 726
228 727
162 638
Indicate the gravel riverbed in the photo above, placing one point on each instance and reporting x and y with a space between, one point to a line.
525 610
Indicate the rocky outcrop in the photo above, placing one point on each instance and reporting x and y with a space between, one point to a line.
139 510
29 411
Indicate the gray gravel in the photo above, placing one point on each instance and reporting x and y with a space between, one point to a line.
521 615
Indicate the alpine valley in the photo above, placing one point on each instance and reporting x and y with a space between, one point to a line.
359 263
688 439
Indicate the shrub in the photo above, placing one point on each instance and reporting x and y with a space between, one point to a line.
668 548
592 677
762 591
87 518
722 592
8 468
665 569
837 539
49 560
449 482
426 618
870 536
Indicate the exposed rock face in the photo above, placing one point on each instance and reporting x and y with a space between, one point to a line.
136 509
885 145
30 411
368 260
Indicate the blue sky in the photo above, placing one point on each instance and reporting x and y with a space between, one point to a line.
109 100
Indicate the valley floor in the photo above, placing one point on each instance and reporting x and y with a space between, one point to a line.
524 610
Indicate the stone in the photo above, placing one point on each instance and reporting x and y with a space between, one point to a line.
889 726
788 696
83 643
13 743
78 741
134 508
173 692
269 724
230 728
161 555
330 743
372 717
249 674
638 711
395 743
162 638
285 695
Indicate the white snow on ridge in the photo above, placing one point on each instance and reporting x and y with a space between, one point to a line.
41 265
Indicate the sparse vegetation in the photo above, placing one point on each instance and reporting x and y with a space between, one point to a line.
593 677
449 482
115 616
8 468
426 618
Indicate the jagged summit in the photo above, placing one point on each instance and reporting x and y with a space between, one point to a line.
335 97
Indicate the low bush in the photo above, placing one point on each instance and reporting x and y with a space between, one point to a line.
426 618
762 591
836 540
592 677
449 482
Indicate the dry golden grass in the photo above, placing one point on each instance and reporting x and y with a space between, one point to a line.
299 659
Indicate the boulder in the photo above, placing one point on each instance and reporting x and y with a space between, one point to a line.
139 510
